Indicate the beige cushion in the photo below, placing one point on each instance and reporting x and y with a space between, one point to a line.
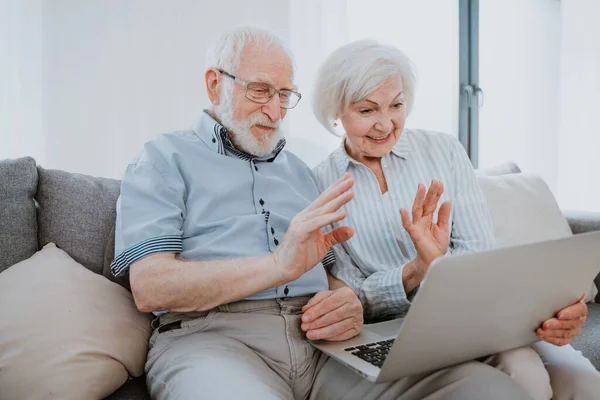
524 211
66 332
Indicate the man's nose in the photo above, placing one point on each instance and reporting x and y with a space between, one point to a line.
273 108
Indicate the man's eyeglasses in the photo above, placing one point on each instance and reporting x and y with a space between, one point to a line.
260 92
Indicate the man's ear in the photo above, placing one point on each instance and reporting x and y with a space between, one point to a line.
212 78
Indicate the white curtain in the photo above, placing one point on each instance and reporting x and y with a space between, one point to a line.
579 146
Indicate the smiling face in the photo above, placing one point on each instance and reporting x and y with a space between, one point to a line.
254 127
374 124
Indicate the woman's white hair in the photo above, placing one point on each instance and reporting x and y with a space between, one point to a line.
354 71
225 53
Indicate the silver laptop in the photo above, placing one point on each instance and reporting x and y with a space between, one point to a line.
474 305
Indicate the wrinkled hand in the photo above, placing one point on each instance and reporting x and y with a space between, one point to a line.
430 239
562 329
332 315
305 245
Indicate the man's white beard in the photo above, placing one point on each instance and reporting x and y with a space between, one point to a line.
239 131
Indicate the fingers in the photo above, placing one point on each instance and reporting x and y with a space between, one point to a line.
575 311
433 196
333 191
342 330
553 323
333 315
558 333
322 212
328 318
566 326
330 206
425 204
338 235
321 221
406 223
316 299
341 305
328 302
444 216
417 210
344 336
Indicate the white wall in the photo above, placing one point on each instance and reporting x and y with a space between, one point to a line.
317 28
21 109
427 31
113 74
579 145
84 83
118 73
519 57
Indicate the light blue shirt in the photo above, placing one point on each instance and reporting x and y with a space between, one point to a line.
371 262
192 193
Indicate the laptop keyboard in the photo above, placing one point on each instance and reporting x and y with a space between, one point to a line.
373 353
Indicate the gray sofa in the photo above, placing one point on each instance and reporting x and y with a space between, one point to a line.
77 212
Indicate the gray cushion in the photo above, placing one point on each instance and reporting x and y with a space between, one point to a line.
581 222
77 213
589 340
18 228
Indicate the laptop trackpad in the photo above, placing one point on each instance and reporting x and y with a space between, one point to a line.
387 328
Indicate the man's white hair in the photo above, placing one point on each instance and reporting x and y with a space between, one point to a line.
225 53
354 71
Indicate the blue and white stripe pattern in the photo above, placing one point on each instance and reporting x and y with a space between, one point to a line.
371 262
163 244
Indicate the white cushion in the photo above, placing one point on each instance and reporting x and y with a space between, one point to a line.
524 210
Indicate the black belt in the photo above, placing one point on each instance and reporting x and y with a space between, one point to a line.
170 326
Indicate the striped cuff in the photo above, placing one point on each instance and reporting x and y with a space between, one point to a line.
163 244
395 297
329 259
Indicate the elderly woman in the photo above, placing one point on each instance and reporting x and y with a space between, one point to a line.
367 90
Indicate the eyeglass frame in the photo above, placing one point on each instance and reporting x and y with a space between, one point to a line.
271 89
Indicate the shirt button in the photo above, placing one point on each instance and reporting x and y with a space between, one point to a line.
214 140
276 242
262 202
286 291
272 231
255 167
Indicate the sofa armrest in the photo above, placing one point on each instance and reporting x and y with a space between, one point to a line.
583 221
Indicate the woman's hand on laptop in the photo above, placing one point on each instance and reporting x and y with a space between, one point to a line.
566 325
333 315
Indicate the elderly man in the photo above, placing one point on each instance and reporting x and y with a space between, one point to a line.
220 231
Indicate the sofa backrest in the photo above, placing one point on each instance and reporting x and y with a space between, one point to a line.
77 213
18 227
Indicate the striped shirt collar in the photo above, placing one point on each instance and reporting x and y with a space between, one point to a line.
342 159
216 137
